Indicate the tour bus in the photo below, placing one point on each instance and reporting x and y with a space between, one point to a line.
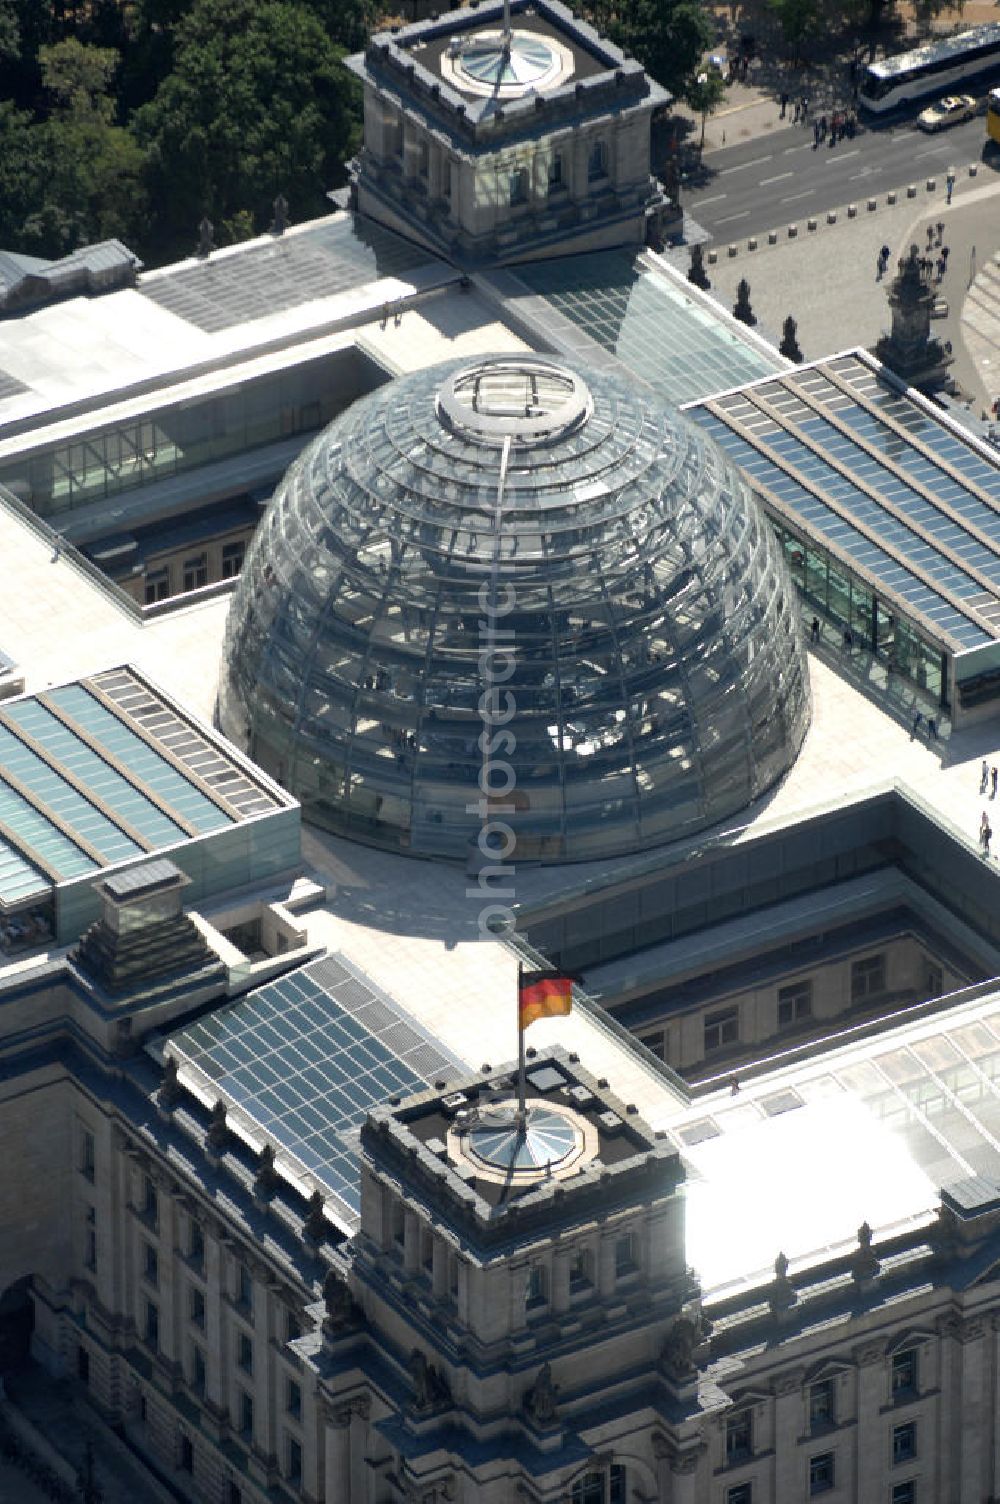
931 69
993 116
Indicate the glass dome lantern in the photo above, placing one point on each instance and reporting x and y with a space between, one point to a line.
657 683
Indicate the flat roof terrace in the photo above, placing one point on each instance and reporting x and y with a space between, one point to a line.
889 487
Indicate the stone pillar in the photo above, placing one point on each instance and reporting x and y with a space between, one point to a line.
789 1417
436 167
560 1280
976 1419
439 1269
579 186
606 1265
949 1380
871 1399
411 151
214 1276
677 1468
411 1242
539 188
337 1454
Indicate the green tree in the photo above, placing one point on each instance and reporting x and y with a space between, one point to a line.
799 20
669 37
22 170
704 94
89 170
257 104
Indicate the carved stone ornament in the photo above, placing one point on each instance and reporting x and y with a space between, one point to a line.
339 1305
314 1227
267 1180
217 1136
865 1266
789 1383
782 1295
540 1399
677 1352
170 1087
430 1388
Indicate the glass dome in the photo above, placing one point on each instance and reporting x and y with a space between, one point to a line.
656 684
506 64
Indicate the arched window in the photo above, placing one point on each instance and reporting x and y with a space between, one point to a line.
604 1485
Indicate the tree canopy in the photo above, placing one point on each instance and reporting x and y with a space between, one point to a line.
669 37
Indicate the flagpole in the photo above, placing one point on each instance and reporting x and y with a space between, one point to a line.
521 1115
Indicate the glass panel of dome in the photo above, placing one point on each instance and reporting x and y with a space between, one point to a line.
588 618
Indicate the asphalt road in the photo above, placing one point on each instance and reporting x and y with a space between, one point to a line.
779 179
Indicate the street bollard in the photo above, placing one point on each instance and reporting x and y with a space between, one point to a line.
810 224
772 237
890 198
752 243
732 251
712 258
931 185
852 211
872 205
911 192
793 230
831 218
973 169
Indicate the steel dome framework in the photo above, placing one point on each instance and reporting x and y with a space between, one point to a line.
659 683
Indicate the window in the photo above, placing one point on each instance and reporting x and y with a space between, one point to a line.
579 1270
606 1486
795 1004
293 1460
196 1305
157 586
152 1325
398 1223
87 1155
244 1353
741 1494
293 1328
820 1473
555 173
293 1399
904 1374
187 1455
150 1265
196 1244
933 979
90 1239
722 1029
246 1414
625 1262
150 1201
197 1369
195 572
244 1288
537 1285
597 162
519 186
233 555
904 1443
656 1044
822 1408
905 1493
867 978
739 1436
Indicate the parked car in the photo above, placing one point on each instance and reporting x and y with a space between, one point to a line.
947 111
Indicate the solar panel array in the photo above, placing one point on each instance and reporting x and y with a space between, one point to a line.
656 329
290 270
914 504
306 1057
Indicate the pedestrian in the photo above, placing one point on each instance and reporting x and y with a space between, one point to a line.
985 833
879 268
985 777
930 236
814 634
940 266
784 104
944 255
917 719
798 110
822 127
949 183
805 106
993 783
848 640
932 730
815 134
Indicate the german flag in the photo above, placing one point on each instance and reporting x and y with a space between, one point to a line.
544 994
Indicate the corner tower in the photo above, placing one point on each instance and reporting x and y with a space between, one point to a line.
505 130
527 1304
